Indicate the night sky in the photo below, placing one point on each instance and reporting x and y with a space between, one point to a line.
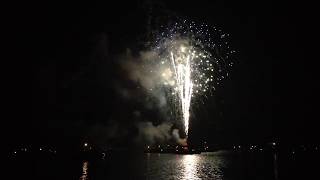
61 71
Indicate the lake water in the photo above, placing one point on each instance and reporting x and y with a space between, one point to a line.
216 165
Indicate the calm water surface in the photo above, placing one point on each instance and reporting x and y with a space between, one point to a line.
138 166
217 166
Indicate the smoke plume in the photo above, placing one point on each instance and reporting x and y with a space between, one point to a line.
154 134
178 139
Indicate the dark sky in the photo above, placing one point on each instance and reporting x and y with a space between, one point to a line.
60 60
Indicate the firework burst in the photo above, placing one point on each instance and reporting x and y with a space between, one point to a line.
191 61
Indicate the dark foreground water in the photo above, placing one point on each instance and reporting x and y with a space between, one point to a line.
217 165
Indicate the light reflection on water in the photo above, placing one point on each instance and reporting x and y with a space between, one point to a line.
185 167
84 175
202 167
190 163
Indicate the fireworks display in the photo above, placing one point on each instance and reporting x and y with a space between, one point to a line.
191 61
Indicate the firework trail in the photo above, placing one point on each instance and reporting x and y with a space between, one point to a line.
182 69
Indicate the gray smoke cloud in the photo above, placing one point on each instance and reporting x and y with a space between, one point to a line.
151 134
177 138
102 134
140 70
